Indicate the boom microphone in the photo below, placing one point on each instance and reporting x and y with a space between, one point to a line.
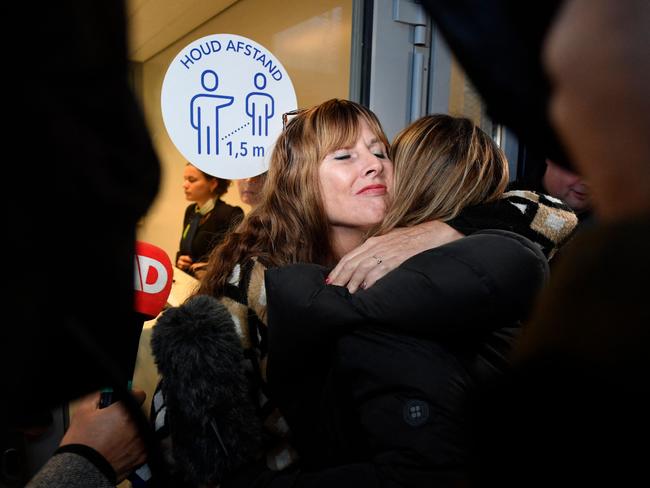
152 283
212 419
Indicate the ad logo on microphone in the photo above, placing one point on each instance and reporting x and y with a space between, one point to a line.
153 278
150 276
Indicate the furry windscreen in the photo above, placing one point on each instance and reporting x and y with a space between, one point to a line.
208 408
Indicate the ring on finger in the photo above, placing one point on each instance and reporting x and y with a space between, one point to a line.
378 259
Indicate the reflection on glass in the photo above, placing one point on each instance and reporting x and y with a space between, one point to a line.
465 101
313 45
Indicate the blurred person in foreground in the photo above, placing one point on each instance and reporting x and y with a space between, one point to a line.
575 410
76 329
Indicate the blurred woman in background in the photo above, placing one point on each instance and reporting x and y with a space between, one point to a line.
250 189
206 221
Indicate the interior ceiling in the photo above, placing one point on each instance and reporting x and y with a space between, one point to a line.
156 24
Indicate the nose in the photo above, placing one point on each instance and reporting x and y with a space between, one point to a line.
580 186
373 166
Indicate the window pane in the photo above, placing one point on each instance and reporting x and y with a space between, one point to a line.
465 101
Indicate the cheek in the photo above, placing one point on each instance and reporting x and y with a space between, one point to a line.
561 119
331 195
389 172
333 185
557 112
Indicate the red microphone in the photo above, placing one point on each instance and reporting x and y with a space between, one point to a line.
153 279
153 282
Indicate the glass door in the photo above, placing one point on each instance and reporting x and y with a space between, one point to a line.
413 73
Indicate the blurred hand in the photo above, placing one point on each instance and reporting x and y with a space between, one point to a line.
184 262
363 266
110 431
199 267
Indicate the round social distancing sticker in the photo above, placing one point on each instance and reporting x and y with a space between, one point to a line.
222 103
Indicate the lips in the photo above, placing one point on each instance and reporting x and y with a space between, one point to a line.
372 190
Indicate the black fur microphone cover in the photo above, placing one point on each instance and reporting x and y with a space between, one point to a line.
213 422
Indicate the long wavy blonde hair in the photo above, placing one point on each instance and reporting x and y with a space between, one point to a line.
290 224
442 165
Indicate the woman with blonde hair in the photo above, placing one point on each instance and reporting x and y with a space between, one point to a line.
469 169
373 384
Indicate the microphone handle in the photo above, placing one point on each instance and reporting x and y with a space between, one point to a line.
140 477
108 396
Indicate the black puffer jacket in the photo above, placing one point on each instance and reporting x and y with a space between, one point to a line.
377 380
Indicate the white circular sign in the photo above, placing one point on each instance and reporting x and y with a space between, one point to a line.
222 103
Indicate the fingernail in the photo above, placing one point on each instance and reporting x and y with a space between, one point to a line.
327 280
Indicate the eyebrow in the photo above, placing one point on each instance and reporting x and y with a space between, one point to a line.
374 140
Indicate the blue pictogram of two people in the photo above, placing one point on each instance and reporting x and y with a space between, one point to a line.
204 111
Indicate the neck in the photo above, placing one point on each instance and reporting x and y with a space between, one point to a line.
201 203
345 239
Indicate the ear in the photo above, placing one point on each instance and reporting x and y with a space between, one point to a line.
214 184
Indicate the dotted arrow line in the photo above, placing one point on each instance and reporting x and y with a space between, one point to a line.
236 130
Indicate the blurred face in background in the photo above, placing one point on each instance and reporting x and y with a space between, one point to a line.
250 189
568 186
600 104
197 186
